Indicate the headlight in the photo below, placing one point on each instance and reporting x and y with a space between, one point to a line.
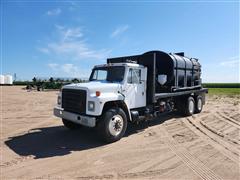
59 100
91 105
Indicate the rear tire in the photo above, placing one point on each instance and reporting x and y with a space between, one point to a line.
112 125
199 104
70 125
189 106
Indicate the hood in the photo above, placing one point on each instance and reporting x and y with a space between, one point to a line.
93 86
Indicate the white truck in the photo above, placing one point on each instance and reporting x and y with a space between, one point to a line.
131 89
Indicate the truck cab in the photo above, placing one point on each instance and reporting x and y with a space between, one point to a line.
112 86
126 82
131 89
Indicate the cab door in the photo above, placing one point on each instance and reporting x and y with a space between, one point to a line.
135 89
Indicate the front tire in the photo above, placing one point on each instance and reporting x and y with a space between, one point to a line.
112 125
70 125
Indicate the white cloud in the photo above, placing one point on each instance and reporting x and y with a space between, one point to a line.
69 70
73 5
71 42
43 50
78 50
119 30
59 27
72 34
53 66
54 12
232 62
234 57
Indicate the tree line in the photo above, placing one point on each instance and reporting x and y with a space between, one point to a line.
51 83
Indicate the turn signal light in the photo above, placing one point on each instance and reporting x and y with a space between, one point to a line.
98 93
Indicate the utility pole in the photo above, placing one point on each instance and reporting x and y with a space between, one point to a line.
15 77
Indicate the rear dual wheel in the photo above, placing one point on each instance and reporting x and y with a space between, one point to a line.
199 104
191 105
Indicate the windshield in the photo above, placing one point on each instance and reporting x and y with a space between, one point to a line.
111 74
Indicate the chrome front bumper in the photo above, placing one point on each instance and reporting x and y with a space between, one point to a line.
76 118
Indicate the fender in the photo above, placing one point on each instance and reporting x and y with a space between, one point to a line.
118 103
102 100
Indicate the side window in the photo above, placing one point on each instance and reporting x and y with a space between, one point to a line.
134 76
129 77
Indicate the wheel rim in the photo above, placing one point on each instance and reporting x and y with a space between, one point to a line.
199 104
191 106
115 125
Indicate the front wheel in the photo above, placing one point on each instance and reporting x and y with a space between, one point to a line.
112 125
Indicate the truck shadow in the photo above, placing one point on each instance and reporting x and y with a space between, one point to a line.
58 141
135 128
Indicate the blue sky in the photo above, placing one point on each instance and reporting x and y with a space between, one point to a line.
65 39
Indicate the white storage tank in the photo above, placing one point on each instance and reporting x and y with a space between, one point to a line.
8 79
1 79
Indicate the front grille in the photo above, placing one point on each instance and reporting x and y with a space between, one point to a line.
74 100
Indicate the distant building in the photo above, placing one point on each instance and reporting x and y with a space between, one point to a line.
6 79
1 79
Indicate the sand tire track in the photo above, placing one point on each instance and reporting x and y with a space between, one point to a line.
216 144
213 136
229 119
192 162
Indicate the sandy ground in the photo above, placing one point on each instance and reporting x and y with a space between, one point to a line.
35 145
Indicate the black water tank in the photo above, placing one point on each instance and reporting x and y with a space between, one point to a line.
181 72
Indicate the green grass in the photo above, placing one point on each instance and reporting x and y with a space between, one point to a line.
224 91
